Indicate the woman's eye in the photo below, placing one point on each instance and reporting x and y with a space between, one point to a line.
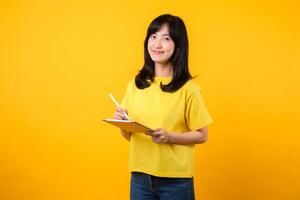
167 38
153 36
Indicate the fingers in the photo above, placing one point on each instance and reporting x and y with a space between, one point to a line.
158 136
159 139
153 133
118 109
119 114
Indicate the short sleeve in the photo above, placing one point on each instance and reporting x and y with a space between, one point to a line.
196 114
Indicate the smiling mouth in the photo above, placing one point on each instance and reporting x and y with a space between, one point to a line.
157 52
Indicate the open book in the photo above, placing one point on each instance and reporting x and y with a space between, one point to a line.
127 125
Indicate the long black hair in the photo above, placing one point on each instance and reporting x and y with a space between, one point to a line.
179 59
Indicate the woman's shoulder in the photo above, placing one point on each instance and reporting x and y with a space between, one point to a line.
191 86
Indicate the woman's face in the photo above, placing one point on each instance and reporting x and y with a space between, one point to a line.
161 46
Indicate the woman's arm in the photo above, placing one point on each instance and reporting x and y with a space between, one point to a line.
192 137
161 136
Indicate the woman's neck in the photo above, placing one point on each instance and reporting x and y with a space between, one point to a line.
163 69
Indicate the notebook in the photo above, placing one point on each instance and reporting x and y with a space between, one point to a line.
127 125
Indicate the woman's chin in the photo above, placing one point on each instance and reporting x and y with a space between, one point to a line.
158 61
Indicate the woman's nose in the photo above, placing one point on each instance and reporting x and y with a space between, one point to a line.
157 44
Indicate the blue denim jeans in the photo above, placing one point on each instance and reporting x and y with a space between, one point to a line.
148 187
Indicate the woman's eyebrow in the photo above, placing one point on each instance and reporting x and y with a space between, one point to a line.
165 34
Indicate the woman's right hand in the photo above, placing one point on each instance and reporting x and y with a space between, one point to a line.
119 114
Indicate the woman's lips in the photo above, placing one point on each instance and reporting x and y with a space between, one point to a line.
157 52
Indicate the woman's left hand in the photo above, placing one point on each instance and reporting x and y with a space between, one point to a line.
159 136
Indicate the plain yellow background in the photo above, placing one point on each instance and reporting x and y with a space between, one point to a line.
60 59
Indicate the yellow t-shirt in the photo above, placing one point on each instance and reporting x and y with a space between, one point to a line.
178 112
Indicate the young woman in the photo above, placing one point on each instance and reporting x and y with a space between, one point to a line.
164 96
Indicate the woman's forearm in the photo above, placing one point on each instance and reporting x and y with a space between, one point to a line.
192 137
